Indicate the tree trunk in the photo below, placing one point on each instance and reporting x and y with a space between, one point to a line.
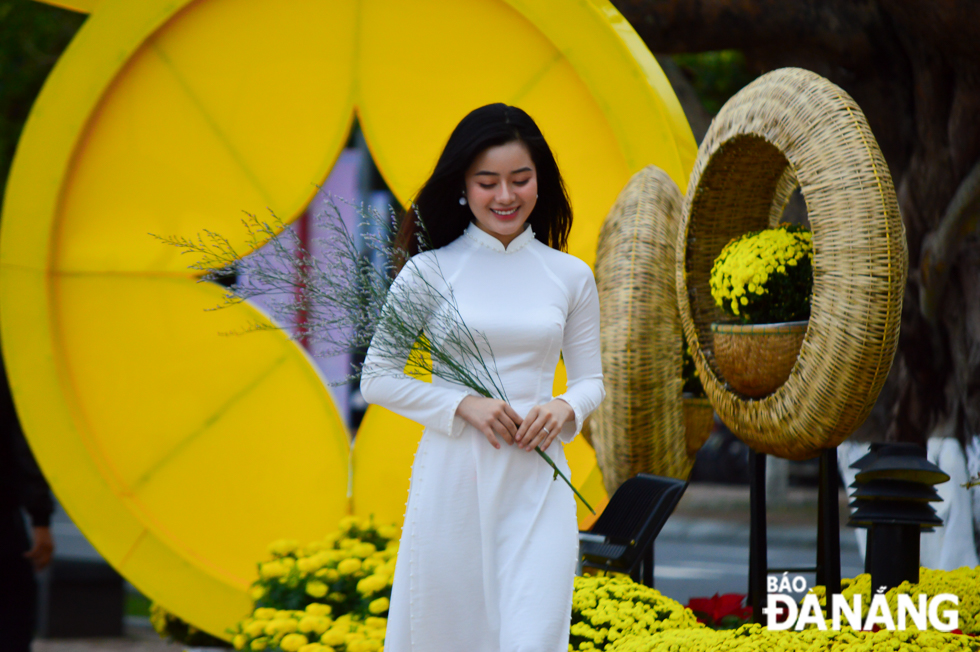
914 68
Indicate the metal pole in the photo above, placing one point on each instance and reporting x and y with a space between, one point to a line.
828 525
648 566
758 551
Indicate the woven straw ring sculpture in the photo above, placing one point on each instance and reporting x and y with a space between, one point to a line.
795 118
639 427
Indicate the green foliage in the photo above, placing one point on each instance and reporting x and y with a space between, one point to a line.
172 628
716 76
32 37
692 381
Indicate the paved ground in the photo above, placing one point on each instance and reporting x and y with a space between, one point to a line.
137 640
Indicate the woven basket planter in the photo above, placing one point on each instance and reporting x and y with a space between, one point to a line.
699 417
756 359
791 126
639 427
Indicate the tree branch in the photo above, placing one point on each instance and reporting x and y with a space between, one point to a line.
941 247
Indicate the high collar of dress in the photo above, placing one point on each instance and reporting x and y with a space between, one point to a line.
478 235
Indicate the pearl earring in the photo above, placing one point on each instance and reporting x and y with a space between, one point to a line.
462 201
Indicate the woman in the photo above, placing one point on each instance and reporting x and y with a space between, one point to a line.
489 544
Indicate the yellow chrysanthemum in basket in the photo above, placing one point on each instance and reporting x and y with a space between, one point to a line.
765 276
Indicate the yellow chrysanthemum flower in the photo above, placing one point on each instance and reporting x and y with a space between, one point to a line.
283 547
347 523
316 588
255 628
349 566
315 647
317 609
272 569
333 637
293 642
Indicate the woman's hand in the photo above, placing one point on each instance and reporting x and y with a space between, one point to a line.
43 548
490 416
542 424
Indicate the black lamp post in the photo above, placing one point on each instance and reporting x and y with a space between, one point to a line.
892 492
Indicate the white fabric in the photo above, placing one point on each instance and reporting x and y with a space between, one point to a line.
951 546
973 468
489 544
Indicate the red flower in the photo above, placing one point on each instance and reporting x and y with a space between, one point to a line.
711 611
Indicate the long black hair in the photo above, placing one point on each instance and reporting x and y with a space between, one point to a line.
437 203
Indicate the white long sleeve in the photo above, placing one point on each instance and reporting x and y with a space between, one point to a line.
383 378
582 355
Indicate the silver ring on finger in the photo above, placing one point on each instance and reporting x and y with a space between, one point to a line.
546 431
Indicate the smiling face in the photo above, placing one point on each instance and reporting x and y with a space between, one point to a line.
501 189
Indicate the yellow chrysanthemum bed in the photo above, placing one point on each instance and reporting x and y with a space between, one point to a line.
327 596
332 596
964 583
610 610
617 615
309 630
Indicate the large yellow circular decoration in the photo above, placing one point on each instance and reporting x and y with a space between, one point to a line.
787 123
181 454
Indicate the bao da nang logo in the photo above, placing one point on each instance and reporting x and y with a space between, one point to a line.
782 611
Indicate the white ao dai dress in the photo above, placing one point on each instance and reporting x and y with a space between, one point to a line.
489 545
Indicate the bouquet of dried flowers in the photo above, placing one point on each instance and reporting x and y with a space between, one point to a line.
341 299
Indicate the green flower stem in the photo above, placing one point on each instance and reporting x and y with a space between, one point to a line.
547 458
552 464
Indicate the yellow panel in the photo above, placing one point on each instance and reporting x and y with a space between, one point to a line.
172 116
582 463
215 605
418 66
638 102
57 123
593 167
212 429
49 417
381 464
205 122
595 492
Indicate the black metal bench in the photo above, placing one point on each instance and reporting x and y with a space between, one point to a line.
621 540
